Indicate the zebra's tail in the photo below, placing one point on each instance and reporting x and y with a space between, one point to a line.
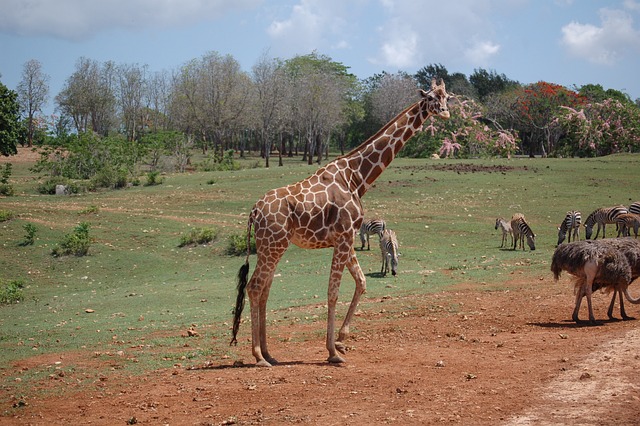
243 274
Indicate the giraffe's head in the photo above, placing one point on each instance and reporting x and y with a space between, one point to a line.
436 99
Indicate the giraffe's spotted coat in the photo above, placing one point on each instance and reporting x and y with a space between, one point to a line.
323 211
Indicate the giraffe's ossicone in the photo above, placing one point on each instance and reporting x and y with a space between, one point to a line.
323 211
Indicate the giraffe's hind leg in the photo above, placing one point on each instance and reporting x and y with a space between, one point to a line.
258 292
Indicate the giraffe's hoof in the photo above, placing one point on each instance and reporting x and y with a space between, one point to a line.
336 359
341 347
263 363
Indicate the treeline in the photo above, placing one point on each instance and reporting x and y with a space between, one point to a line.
307 105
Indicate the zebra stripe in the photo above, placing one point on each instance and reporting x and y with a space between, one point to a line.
602 216
521 230
635 207
626 222
389 251
371 227
571 223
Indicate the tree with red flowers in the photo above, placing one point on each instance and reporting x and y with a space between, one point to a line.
535 108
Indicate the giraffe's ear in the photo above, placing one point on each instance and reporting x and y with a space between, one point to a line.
424 93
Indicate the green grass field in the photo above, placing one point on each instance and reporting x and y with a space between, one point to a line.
143 291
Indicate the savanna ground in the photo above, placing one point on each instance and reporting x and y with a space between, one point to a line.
469 354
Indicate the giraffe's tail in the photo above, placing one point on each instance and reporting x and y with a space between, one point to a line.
237 312
243 274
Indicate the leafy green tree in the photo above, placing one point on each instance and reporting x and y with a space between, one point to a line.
596 93
487 82
10 127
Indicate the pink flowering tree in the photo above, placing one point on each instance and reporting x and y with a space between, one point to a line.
600 128
468 133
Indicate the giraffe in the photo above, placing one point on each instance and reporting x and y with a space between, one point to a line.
324 211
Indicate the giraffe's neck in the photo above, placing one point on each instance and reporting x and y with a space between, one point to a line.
372 157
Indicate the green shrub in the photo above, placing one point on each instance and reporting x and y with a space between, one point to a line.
76 243
5 173
92 209
30 237
198 236
11 292
5 215
153 178
7 190
214 162
48 187
109 178
237 244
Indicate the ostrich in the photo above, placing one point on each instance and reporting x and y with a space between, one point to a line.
610 264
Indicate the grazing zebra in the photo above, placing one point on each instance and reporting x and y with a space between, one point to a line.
571 223
371 227
602 216
625 222
389 251
506 230
635 207
521 230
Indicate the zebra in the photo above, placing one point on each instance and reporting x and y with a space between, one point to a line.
389 251
634 207
506 230
521 230
371 227
625 222
571 223
602 216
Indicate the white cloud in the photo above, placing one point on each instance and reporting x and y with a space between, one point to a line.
605 44
415 33
312 25
79 19
400 49
480 52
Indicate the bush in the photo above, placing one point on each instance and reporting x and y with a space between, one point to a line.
11 292
109 178
48 187
198 236
153 178
30 237
216 163
5 215
76 243
7 190
237 244
5 187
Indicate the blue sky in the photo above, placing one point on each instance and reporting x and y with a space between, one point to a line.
568 42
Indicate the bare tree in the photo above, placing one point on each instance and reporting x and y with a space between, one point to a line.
392 95
269 81
33 94
132 87
211 98
88 96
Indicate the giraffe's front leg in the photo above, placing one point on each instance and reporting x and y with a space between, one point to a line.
337 267
361 286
